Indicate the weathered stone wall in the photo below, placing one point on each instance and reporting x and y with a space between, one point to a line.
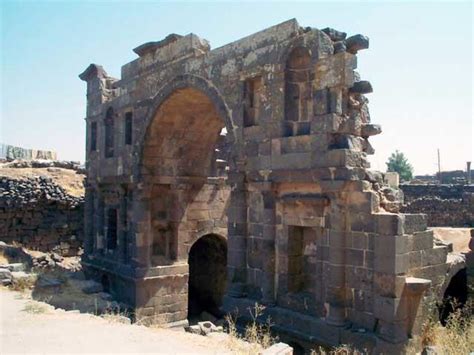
445 205
40 215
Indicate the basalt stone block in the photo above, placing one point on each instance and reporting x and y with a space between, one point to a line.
369 130
335 101
320 102
326 123
391 263
393 332
340 47
357 43
415 223
434 256
335 35
421 240
414 259
362 87
388 284
389 224
390 309
303 128
391 244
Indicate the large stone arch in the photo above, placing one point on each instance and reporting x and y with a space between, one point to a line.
175 200
180 82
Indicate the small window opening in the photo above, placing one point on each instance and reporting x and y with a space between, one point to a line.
252 88
128 128
298 91
109 133
93 144
112 229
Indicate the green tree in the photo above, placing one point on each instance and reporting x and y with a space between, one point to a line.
397 162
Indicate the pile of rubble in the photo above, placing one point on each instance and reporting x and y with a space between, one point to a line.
23 264
31 192
445 205
40 215
13 273
204 328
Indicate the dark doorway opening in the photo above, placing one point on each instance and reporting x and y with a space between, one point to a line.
105 283
455 296
207 277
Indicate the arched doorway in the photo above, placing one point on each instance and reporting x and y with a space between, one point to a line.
179 154
207 276
455 296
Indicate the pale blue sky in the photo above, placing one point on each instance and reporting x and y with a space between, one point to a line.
419 63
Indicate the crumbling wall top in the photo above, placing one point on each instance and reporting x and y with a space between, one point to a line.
93 70
270 35
153 46
171 48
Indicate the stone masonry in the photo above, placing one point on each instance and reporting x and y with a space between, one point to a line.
40 215
444 205
260 147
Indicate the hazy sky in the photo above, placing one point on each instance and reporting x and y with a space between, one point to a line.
419 63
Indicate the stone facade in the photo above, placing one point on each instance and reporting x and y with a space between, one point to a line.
263 143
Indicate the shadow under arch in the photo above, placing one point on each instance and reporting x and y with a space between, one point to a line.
182 82
455 296
207 276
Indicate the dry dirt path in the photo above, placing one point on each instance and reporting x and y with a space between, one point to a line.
60 332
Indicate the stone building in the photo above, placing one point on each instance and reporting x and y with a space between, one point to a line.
220 178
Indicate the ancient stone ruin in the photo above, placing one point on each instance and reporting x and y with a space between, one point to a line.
220 178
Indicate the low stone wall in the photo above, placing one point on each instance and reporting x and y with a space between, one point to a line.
40 215
445 205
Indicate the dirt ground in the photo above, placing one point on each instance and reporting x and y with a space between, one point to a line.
66 178
458 236
29 326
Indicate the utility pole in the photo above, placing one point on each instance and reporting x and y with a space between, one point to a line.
439 168
468 172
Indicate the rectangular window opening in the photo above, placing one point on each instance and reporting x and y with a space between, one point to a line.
301 252
128 128
112 229
93 137
252 88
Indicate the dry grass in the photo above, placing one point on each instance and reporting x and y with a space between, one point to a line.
36 307
340 350
257 336
3 258
116 315
24 284
456 337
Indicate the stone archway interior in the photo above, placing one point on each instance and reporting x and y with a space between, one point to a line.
455 296
207 276
182 137
179 154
